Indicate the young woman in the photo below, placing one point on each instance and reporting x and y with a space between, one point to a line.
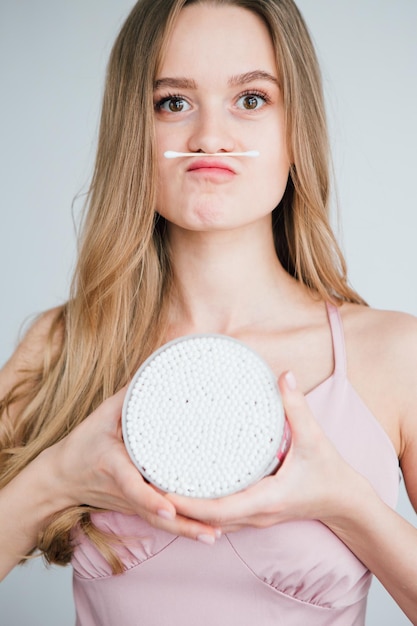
227 244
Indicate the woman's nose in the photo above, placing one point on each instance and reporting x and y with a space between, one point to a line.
211 132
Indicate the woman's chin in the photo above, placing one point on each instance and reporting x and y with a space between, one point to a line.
205 217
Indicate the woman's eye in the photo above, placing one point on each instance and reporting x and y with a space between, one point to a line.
251 102
173 104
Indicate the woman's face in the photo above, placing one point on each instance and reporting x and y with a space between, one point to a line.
218 91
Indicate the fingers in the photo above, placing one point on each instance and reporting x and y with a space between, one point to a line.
114 404
227 511
185 527
144 498
158 510
108 415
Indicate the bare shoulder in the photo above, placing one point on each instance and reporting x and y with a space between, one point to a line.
376 332
381 342
381 351
46 330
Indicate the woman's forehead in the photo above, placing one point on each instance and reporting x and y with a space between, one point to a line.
220 41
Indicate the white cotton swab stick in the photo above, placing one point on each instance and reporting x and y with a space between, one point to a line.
171 154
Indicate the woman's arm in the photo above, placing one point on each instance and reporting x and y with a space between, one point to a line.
386 543
89 466
27 503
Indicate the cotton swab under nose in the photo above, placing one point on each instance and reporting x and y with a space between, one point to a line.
171 154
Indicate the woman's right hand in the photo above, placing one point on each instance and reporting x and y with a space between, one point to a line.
91 466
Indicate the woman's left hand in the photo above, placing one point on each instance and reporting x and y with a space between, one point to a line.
311 483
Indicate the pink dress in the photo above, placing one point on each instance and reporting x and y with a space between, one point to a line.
292 574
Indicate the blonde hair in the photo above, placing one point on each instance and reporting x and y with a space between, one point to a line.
116 312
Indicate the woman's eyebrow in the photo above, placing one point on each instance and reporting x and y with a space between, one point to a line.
248 77
175 83
234 81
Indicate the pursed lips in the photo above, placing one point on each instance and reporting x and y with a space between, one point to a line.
211 166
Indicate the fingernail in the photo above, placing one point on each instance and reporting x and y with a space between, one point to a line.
218 533
290 380
165 514
207 539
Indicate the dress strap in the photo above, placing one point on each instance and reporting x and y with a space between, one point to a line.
338 338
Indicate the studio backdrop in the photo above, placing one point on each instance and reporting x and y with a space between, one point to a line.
52 62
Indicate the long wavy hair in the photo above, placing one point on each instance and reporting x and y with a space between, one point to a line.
116 312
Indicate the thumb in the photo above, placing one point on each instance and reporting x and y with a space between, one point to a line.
111 411
304 427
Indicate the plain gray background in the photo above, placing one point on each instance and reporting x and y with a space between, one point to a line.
52 61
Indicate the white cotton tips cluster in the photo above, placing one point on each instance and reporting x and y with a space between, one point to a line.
203 417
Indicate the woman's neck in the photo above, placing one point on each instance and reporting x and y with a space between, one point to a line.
225 281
